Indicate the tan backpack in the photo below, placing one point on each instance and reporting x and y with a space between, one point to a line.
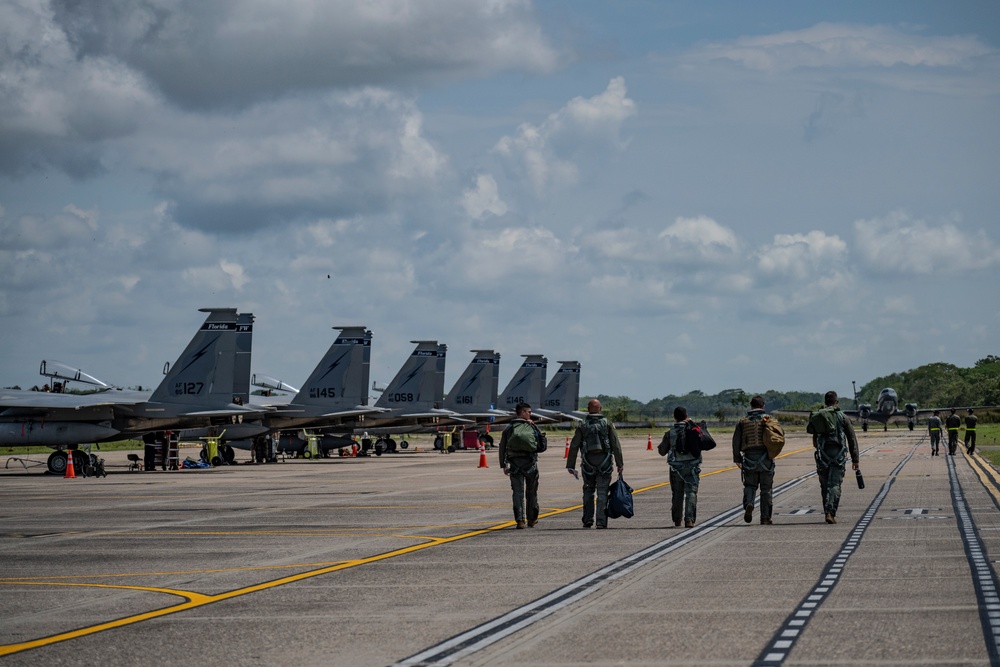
773 436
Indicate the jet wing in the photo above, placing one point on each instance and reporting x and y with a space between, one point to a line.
359 410
33 401
446 414
236 410
560 416
403 418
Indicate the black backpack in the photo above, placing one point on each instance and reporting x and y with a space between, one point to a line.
696 439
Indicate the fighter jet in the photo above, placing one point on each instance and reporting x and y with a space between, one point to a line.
562 395
475 393
198 390
411 400
527 385
416 393
333 394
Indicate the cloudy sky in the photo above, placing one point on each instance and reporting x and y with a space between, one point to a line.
682 195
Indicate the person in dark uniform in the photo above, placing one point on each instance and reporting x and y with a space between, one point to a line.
970 432
831 456
519 446
596 441
934 426
953 423
756 466
685 470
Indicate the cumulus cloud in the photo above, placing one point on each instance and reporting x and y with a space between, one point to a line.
235 271
802 256
324 233
55 104
625 244
483 199
70 227
74 76
190 50
697 240
77 262
516 254
897 243
348 153
797 271
546 155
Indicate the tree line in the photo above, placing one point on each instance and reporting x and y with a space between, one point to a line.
932 385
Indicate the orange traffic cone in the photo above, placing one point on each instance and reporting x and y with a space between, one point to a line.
566 453
482 457
354 450
70 473
649 442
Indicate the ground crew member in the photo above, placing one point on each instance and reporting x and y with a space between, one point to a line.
684 470
756 466
953 423
970 432
519 446
831 459
596 440
934 426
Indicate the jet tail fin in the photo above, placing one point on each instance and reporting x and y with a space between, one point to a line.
340 380
527 385
563 393
419 384
205 372
476 389
244 347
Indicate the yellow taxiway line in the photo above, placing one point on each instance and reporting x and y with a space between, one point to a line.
987 474
194 600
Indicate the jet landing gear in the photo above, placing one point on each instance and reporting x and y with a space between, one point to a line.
389 446
56 463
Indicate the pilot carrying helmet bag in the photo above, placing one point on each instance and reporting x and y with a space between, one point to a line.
698 439
620 499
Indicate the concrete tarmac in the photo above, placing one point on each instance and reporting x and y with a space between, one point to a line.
412 558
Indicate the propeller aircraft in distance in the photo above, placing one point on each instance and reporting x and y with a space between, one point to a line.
886 409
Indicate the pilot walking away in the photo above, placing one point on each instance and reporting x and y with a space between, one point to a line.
953 423
756 466
970 432
934 426
833 438
520 445
596 441
685 469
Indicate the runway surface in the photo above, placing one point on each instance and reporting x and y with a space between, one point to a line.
412 559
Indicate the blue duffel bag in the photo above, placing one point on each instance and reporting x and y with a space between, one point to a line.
620 499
